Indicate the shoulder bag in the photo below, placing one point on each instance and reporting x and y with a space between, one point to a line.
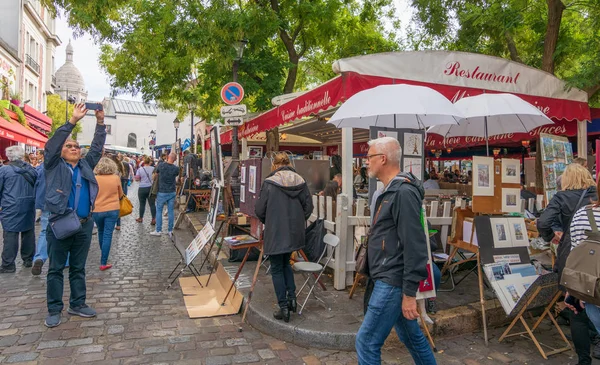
125 206
362 262
154 188
67 224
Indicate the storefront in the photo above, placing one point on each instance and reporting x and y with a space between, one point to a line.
13 133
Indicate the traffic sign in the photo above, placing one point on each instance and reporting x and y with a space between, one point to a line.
233 111
232 93
234 121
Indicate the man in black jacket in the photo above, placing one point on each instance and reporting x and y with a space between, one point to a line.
69 178
397 258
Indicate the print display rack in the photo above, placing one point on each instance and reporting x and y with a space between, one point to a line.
499 189
517 285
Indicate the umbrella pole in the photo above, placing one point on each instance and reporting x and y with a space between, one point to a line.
394 120
487 145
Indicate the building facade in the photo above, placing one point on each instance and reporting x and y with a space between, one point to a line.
69 81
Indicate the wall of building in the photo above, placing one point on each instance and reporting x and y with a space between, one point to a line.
165 132
119 128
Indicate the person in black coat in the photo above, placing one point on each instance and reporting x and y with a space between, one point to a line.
283 206
554 225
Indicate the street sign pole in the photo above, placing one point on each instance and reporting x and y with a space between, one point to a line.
232 94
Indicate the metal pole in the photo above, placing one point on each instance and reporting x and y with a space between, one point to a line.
235 151
176 139
67 106
192 134
487 140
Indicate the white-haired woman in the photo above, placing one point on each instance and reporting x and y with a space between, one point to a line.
106 207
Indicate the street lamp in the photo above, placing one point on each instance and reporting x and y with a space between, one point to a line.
235 150
176 123
152 141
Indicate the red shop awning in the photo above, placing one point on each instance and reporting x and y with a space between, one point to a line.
40 120
16 132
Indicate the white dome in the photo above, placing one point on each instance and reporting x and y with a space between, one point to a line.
68 77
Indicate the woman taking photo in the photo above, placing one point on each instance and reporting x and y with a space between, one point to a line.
283 206
107 205
579 189
144 176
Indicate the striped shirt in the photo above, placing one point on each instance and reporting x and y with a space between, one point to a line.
580 224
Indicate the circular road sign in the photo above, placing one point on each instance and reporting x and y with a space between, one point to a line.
232 93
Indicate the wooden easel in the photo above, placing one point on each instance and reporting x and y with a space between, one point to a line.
529 330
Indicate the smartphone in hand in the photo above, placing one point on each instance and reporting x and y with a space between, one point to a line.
93 106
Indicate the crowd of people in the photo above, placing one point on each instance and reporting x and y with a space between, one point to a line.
74 190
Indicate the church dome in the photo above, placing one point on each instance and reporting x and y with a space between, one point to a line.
69 78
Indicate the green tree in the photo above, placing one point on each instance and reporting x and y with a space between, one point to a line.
556 36
56 112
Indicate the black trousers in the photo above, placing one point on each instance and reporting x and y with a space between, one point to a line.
11 247
78 247
143 196
580 332
283 278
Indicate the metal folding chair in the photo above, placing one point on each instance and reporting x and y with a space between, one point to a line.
308 269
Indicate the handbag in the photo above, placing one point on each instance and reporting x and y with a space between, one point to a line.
362 262
154 188
125 206
67 224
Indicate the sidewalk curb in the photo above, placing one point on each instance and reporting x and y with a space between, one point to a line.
449 322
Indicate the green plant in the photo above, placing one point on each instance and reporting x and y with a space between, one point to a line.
20 114
4 114
15 95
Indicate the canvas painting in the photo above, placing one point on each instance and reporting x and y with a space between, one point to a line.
413 144
549 176
392 134
559 168
559 149
214 205
252 180
518 232
414 166
255 152
511 200
243 175
511 171
547 148
550 194
568 152
483 176
500 232
217 158
242 193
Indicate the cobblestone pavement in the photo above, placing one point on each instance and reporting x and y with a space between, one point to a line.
141 322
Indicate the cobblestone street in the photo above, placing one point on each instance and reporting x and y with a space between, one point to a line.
140 322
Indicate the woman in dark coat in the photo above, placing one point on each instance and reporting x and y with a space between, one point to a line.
283 206
579 189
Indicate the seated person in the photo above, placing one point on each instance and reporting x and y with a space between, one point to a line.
430 183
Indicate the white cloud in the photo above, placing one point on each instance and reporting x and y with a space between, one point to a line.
85 57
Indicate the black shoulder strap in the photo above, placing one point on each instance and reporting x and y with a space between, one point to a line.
592 219
23 174
578 205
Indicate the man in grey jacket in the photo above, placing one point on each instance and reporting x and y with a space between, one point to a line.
397 258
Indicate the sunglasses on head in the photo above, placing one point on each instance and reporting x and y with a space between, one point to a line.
69 146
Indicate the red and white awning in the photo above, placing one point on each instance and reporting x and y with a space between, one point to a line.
454 74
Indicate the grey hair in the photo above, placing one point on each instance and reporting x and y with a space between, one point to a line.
84 152
388 146
15 153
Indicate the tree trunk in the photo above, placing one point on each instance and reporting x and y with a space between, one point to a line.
555 11
272 141
290 82
512 47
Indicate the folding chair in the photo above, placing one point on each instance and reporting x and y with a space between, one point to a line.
308 268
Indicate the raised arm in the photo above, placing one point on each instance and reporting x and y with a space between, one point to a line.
98 142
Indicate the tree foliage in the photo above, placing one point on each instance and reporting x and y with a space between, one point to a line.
556 36
56 112
181 51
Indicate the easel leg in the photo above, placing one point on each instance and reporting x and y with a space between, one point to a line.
535 341
426 330
217 254
450 258
482 299
237 275
253 282
357 278
519 315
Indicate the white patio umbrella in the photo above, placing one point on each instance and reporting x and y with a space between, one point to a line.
492 114
396 106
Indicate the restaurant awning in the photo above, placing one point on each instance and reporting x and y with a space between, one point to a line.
454 74
16 132
37 119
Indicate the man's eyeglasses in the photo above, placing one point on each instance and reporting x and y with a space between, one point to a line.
69 146
368 157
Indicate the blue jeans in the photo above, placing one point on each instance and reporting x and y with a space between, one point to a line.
78 246
41 251
383 313
161 200
593 312
106 222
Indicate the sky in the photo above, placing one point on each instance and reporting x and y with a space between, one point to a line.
86 54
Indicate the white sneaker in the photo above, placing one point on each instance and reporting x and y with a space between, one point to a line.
155 233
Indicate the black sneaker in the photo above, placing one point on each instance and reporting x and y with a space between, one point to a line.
37 267
83 311
27 263
5 270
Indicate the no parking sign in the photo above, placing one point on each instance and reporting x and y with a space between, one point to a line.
232 93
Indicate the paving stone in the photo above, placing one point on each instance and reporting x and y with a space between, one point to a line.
59 352
155 350
124 353
97 356
245 358
179 339
266 354
236 342
311 360
51 344
90 348
218 360
27 339
220 351
115 329
80 342
9 340
22 357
